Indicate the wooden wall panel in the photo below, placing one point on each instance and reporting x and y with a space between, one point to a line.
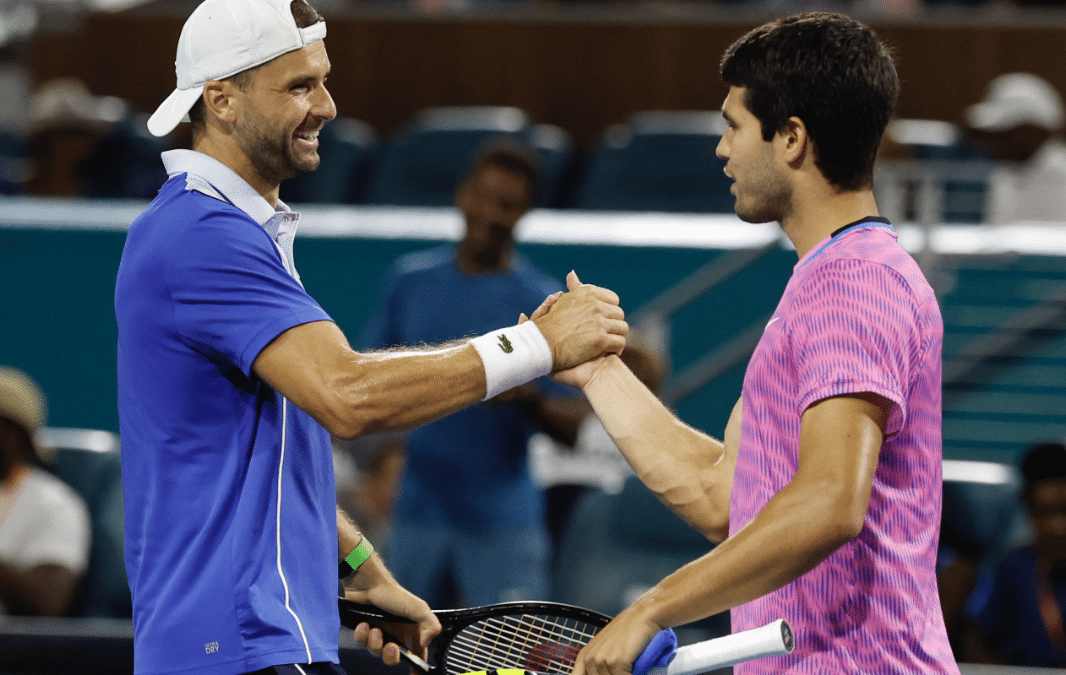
581 75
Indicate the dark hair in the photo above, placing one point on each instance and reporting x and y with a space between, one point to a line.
828 70
305 16
510 154
1046 459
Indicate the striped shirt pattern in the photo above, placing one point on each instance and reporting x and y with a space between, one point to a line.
856 316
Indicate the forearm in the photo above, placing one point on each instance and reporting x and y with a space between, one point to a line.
389 391
44 590
687 469
352 394
348 534
822 508
787 539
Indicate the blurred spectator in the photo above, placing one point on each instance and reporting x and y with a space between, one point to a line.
368 471
593 461
66 124
1017 609
45 528
469 512
1019 122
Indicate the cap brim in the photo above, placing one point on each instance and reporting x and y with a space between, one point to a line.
173 110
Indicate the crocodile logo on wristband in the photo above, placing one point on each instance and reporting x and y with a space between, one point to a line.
505 345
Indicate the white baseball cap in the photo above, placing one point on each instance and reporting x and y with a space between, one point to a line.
222 38
1015 99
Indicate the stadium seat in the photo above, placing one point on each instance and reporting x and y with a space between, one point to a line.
349 149
16 163
555 149
125 163
88 460
659 161
423 162
616 546
982 516
943 149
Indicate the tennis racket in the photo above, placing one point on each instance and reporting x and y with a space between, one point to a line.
545 637
538 636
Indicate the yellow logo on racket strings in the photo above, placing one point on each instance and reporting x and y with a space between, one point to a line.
505 344
501 671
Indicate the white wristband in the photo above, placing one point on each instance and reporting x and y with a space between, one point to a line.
513 356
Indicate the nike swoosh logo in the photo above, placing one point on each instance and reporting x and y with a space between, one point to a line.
776 318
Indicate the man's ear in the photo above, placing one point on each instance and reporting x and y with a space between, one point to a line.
219 99
794 141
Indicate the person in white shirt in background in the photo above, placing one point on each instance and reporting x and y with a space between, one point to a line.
45 528
1020 122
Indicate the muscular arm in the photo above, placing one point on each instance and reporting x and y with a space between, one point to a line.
352 393
688 470
821 509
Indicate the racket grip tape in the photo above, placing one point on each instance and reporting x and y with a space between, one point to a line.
773 639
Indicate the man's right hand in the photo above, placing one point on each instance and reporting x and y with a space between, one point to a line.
582 324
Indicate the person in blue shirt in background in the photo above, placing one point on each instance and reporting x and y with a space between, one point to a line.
1017 610
470 527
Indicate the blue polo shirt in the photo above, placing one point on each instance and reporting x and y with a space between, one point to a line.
231 535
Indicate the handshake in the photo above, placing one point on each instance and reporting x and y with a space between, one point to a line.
567 336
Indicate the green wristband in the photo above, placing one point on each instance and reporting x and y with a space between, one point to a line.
359 555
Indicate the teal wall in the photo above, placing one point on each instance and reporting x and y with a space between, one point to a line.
59 321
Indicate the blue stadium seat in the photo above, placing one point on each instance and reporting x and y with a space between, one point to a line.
983 516
615 546
423 162
16 163
88 460
349 149
659 161
125 163
555 150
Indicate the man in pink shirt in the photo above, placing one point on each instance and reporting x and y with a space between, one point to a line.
825 491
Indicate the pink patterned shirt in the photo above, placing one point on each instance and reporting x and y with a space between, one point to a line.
856 316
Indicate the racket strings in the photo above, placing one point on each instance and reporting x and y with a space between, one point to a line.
529 642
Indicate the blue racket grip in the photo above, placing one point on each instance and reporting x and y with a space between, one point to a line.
658 653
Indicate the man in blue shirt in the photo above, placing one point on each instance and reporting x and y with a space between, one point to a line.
468 508
1018 608
232 378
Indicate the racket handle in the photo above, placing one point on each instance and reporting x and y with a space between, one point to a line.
773 639
409 656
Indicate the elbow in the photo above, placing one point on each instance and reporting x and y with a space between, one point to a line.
839 533
697 507
350 426
346 418
716 532
343 430
846 517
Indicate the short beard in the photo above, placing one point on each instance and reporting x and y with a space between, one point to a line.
772 204
271 154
